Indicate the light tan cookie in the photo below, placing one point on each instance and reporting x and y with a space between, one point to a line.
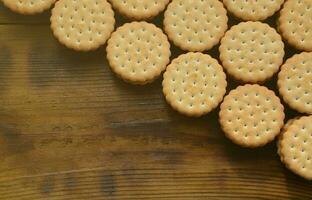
295 82
295 147
194 84
82 25
253 10
251 115
28 7
138 52
139 9
295 23
280 136
251 51
195 25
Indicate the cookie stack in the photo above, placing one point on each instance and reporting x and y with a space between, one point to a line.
250 52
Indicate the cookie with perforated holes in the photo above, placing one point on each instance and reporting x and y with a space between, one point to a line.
251 115
295 146
253 10
138 9
295 23
194 84
28 7
251 51
295 82
280 136
195 25
82 25
138 52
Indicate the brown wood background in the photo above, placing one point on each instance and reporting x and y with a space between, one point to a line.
69 129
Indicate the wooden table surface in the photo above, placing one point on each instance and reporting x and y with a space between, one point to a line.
69 129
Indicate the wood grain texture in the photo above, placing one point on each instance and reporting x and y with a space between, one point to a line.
69 129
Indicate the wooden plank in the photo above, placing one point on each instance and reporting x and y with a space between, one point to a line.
69 129
8 17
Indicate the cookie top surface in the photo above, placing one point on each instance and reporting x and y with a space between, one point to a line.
195 25
295 147
295 23
82 24
251 115
28 6
138 52
295 82
139 9
285 128
253 10
251 51
194 84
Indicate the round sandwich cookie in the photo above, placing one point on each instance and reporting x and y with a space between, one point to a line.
295 23
251 115
254 10
28 7
251 51
280 136
82 25
139 9
195 25
138 52
295 147
194 84
295 82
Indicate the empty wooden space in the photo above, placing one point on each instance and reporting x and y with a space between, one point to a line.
69 129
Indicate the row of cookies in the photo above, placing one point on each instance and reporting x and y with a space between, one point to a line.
134 9
295 87
195 25
295 141
138 10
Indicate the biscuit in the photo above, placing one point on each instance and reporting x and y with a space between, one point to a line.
295 82
194 84
251 51
138 52
295 23
138 9
195 25
251 115
295 147
28 7
280 136
82 25
257 10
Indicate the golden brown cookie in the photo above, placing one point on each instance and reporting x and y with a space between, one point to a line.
295 147
295 82
138 9
251 115
295 23
194 84
82 25
138 52
253 10
251 51
195 25
28 7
